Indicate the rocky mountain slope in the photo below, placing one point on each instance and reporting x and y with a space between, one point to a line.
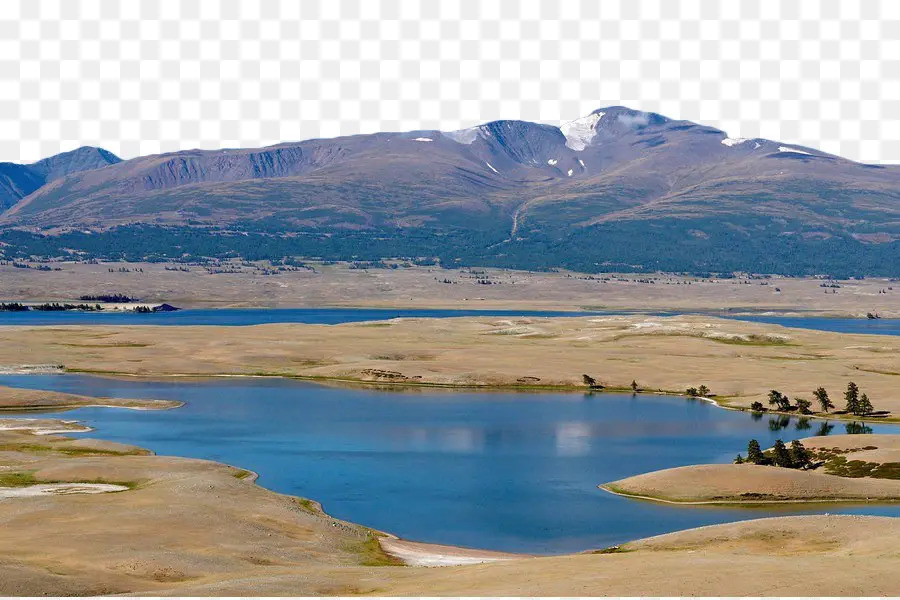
618 187
18 181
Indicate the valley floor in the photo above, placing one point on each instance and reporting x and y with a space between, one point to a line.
258 285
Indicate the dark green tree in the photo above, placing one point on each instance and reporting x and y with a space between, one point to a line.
780 455
738 460
754 453
779 400
589 381
824 401
800 456
757 407
692 392
803 406
634 386
865 406
851 397
703 390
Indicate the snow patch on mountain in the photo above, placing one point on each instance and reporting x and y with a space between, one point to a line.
423 140
580 132
464 136
734 141
492 167
794 150
552 162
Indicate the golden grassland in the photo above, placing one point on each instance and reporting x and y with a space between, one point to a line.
433 287
739 361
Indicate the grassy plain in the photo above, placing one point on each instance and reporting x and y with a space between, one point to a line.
237 285
739 361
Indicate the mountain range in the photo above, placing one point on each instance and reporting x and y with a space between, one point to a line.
619 189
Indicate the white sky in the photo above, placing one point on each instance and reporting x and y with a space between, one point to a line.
162 75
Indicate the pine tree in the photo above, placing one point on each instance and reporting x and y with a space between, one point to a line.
738 460
754 453
799 455
781 456
851 396
824 401
865 406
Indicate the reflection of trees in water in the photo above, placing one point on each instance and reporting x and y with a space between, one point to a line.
802 424
854 428
756 416
824 429
778 423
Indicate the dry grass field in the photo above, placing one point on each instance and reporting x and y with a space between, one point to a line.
739 361
433 287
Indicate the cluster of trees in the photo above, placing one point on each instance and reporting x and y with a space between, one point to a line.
695 392
12 307
797 457
856 404
122 298
56 306
604 247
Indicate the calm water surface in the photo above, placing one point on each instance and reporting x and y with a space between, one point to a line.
332 316
256 316
505 471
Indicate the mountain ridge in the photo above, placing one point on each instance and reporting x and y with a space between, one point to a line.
504 188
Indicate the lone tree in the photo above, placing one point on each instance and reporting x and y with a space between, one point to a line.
692 392
779 400
738 460
781 456
824 401
703 390
865 407
634 386
803 406
757 406
754 453
589 381
800 456
851 396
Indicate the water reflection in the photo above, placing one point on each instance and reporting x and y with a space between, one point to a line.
505 471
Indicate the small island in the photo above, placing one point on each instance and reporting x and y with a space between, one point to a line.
843 468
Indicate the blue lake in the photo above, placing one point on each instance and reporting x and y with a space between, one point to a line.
255 316
504 471
333 316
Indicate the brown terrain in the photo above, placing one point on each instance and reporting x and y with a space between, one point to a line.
425 287
739 361
857 468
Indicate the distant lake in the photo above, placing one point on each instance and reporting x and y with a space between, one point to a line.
333 316
504 471
257 316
